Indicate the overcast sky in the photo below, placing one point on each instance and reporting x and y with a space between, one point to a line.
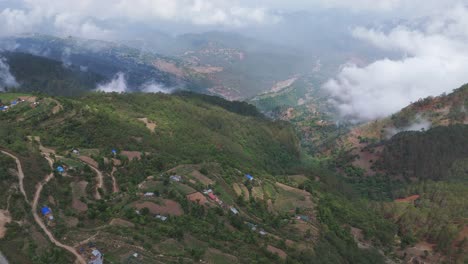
429 36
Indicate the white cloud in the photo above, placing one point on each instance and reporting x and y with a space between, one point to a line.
6 78
434 61
419 124
86 18
117 85
152 87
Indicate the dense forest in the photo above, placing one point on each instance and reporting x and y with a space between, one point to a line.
437 154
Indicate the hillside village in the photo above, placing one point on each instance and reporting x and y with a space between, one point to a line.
103 199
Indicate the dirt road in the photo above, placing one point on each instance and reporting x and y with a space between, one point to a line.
37 194
115 187
20 173
39 221
100 178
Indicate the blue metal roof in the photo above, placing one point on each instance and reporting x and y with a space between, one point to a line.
60 169
249 177
45 210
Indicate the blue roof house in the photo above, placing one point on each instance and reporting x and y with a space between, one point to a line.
249 177
45 210
14 102
114 152
60 169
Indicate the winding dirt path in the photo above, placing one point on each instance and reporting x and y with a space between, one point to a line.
37 194
38 219
115 187
20 173
100 177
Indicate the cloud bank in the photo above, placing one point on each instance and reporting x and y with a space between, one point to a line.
433 61
6 78
420 124
118 85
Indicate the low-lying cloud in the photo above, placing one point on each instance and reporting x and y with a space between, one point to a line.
6 78
153 87
433 61
117 85
420 124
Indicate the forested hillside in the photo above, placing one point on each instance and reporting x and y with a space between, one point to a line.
39 74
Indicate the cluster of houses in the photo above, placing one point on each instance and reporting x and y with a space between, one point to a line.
254 228
91 253
4 107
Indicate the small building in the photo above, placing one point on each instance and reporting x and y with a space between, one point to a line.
161 217
76 151
96 257
60 169
175 178
91 254
14 102
253 227
249 177
234 210
206 192
212 196
149 194
46 211
48 216
262 233
114 152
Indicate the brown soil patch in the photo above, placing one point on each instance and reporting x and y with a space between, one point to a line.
51 200
169 67
167 207
214 256
283 84
237 189
79 205
131 155
201 178
149 124
197 198
206 69
71 222
79 189
89 161
30 99
408 199
116 162
57 108
298 178
5 218
257 193
277 251
121 222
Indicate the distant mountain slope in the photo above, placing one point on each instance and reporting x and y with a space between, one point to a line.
104 58
39 74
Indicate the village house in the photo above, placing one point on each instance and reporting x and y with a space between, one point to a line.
48 216
149 194
249 177
234 210
161 217
176 178
91 254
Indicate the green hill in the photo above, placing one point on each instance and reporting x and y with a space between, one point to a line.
39 74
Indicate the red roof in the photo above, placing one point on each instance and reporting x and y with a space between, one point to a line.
212 196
